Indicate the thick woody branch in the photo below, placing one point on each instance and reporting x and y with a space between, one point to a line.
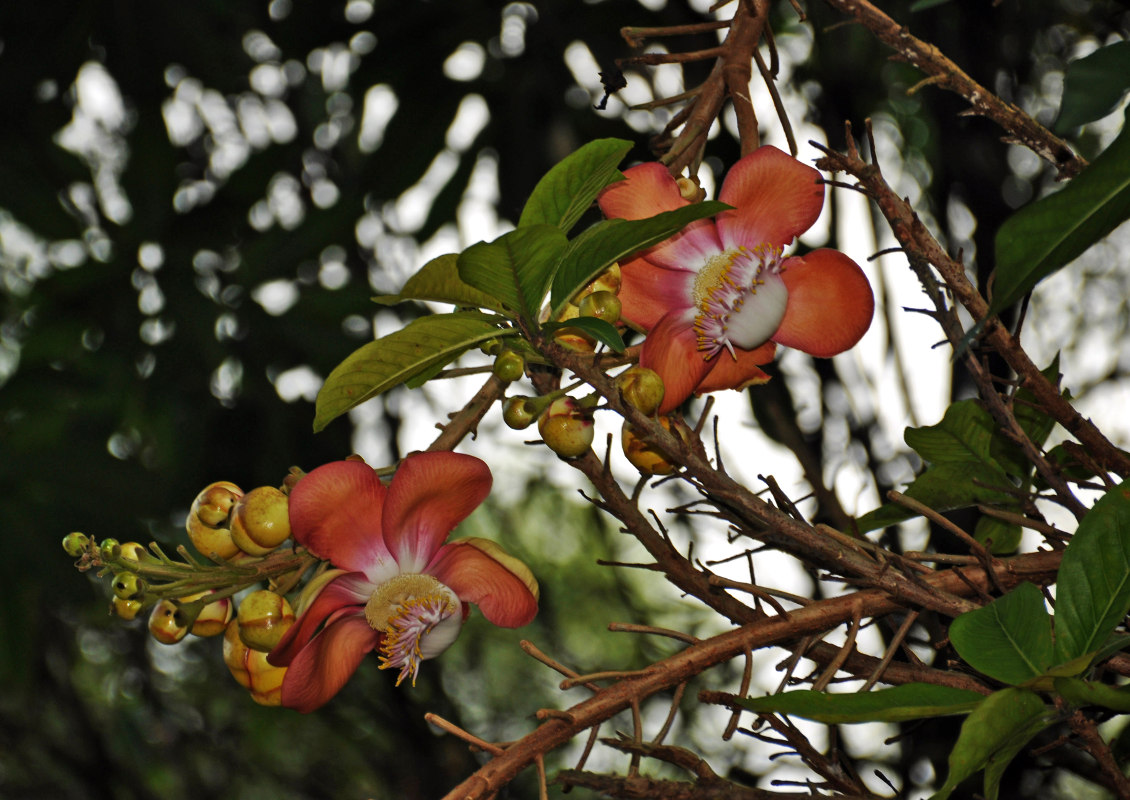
1039 568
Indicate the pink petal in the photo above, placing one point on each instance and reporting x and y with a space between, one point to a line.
671 349
327 662
775 197
351 590
647 292
647 189
728 373
335 511
430 494
478 576
830 304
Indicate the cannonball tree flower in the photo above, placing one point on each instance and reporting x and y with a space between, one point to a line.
397 586
717 298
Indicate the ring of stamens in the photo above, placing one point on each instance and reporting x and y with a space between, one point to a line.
406 609
723 286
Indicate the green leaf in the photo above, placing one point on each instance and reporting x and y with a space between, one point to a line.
439 280
1093 693
399 357
943 487
1093 584
1010 639
991 736
604 332
516 267
570 187
1093 86
1044 236
897 704
594 250
962 470
1001 537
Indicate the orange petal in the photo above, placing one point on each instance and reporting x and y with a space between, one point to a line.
429 495
481 572
647 292
671 349
336 510
325 665
830 304
347 591
647 189
731 373
775 197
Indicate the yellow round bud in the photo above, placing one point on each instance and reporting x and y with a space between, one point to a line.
127 585
163 624
209 520
566 428
647 459
266 679
235 654
263 619
213 618
261 521
126 609
641 388
602 305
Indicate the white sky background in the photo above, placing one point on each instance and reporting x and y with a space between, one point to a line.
259 119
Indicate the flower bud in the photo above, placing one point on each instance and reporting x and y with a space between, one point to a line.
608 281
574 339
266 679
566 428
126 609
109 550
164 625
509 366
516 412
690 190
127 585
235 654
641 388
209 520
75 544
602 305
260 521
213 618
647 459
263 619
135 551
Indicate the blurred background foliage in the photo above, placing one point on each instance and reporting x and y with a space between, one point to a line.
197 201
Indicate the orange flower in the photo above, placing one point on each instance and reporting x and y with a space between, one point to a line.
718 297
398 587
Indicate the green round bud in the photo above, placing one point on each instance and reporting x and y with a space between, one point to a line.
109 549
509 366
75 544
602 305
641 388
516 412
566 428
127 585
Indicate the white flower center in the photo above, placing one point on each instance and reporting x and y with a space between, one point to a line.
740 299
419 617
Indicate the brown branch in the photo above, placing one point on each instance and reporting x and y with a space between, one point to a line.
945 74
667 673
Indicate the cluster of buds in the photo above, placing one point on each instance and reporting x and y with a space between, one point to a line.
565 423
598 299
245 539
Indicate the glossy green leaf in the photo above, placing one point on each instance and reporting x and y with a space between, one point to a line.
1010 639
399 357
516 267
602 331
598 247
570 187
1093 693
439 280
1093 86
1044 236
897 704
964 435
991 736
1093 585
999 536
943 487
